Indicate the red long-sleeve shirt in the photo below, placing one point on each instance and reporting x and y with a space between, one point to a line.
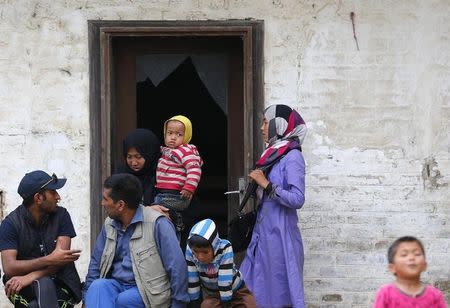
179 168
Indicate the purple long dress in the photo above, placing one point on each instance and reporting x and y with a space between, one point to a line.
273 265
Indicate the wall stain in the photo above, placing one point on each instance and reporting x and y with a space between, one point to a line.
65 71
431 175
332 298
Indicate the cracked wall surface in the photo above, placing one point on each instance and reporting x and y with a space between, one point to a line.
378 147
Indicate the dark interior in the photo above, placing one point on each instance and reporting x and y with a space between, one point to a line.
183 92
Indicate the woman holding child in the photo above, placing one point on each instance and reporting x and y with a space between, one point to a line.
141 150
273 266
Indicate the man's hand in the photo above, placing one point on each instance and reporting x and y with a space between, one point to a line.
186 194
62 256
160 209
16 284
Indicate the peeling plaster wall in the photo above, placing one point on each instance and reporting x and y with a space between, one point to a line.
378 148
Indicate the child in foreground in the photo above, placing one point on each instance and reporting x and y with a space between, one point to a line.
406 258
211 270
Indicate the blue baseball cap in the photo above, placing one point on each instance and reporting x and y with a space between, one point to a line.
36 180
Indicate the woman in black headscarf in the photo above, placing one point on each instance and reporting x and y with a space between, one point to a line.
141 150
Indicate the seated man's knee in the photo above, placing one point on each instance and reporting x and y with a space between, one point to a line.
33 304
99 284
45 280
129 298
122 301
44 283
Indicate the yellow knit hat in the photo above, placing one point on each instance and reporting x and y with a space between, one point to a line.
187 127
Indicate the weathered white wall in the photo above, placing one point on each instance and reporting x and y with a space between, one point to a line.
378 149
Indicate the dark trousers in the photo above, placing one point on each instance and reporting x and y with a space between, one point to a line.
43 293
176 204
242 298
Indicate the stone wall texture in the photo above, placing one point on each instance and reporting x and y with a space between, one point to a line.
378 148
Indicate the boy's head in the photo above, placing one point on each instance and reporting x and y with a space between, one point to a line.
177 131
406 257
201 248
203 240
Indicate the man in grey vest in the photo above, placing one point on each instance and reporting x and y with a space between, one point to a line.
35 242
137 261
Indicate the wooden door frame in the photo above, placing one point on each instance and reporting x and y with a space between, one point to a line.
101 96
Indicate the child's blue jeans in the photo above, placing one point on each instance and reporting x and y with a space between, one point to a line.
176 205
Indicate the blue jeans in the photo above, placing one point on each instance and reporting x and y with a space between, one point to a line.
109 293
173 201
176 205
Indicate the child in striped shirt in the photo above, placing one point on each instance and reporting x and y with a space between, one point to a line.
179 169
211 270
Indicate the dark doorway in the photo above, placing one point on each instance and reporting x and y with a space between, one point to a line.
189 76
217 84
183 92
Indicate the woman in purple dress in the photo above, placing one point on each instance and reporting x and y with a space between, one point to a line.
273 265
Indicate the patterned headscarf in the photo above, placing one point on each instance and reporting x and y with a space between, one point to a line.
287 130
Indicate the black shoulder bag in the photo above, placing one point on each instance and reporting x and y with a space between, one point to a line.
240 228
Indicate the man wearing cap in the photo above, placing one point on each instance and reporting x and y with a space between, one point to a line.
38 265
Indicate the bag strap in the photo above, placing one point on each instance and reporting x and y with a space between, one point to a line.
249 190
252 186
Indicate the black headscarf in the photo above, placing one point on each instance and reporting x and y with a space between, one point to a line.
148 145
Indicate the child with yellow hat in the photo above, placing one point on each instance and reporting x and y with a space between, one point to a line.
179 169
